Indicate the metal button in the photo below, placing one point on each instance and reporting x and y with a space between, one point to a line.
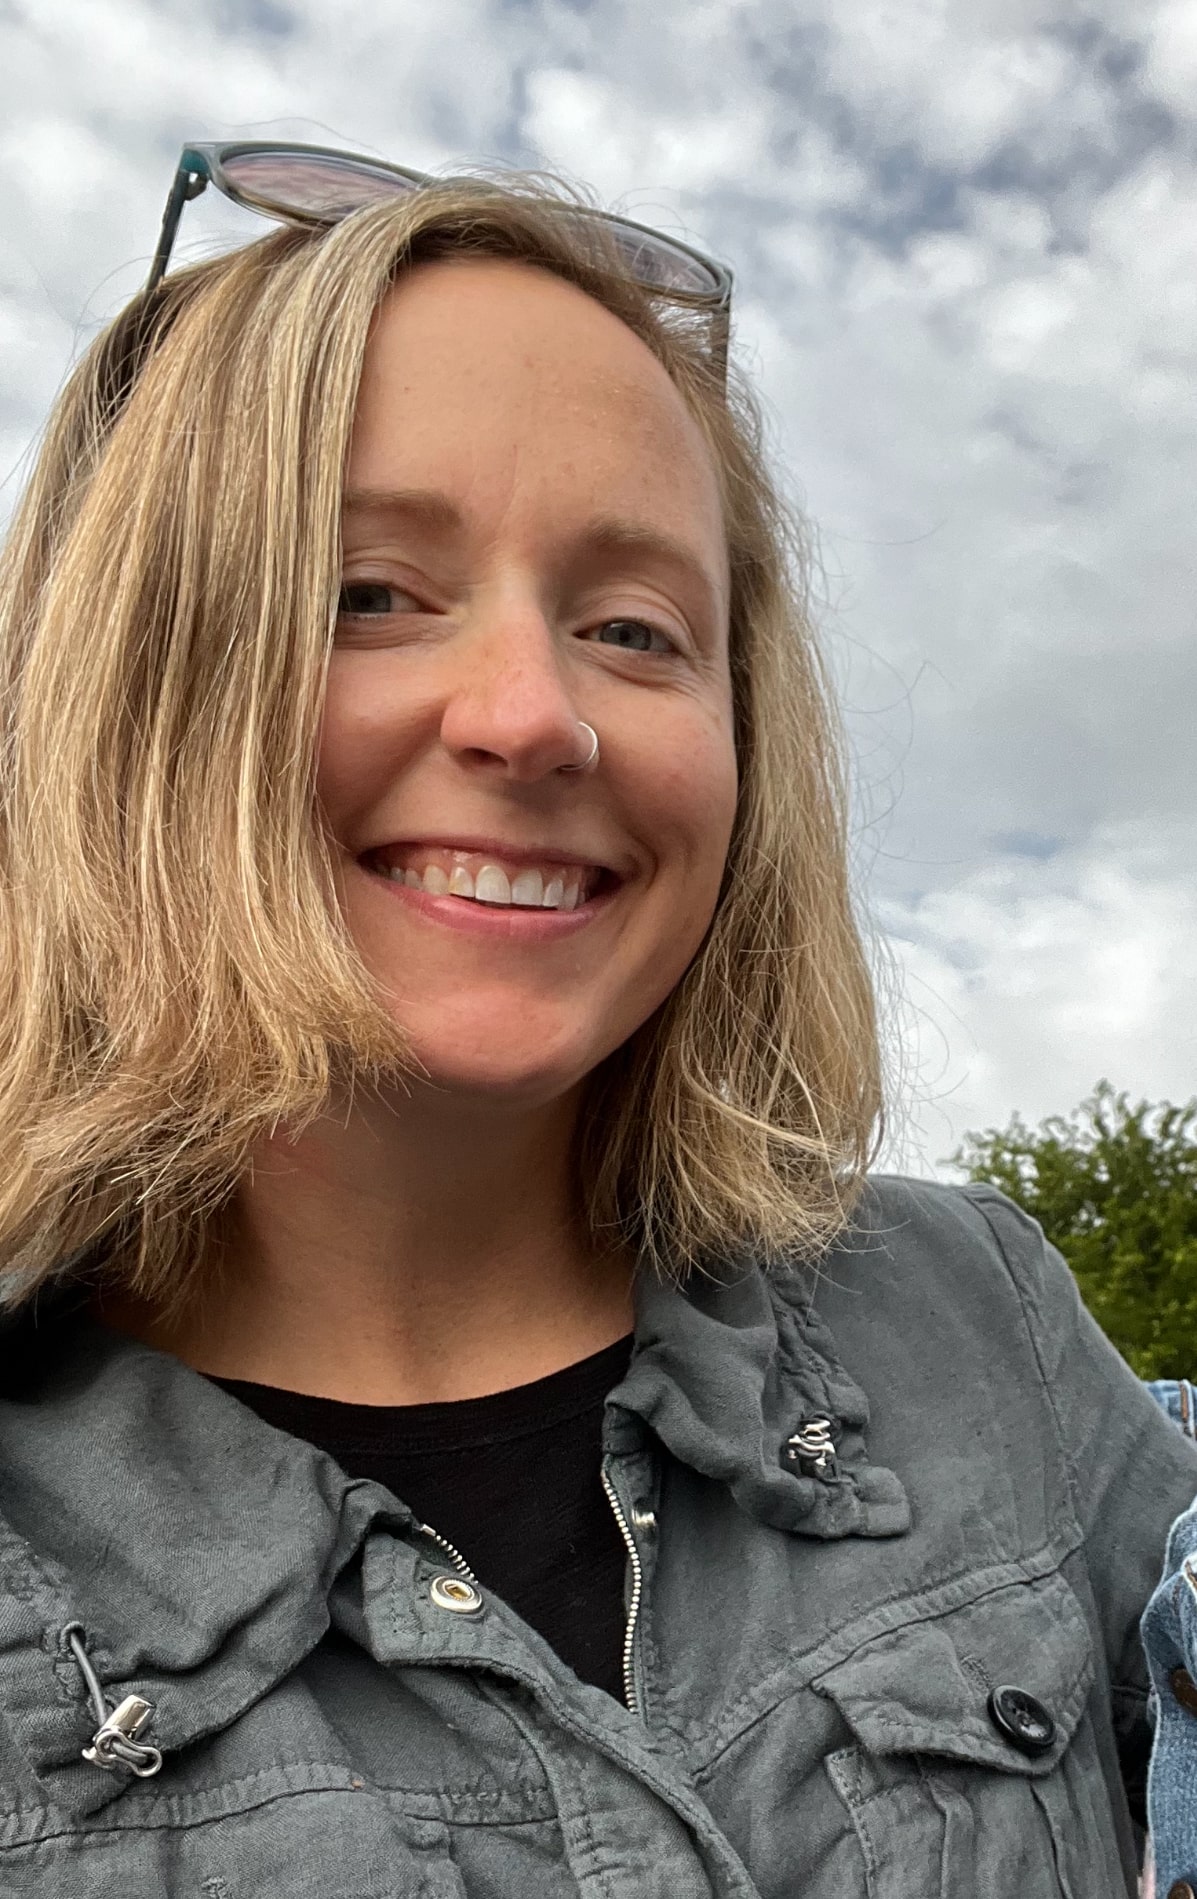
1022 1719
1184 1688
1180 1889
455 1593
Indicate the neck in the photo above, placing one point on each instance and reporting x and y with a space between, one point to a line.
408 1251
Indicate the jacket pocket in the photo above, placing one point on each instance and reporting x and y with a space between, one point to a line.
955 1788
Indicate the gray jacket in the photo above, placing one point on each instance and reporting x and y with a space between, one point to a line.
893 1524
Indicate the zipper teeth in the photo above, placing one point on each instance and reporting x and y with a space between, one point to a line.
455 1555
629 1683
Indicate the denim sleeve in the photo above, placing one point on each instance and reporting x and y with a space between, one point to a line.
1132 1472
1177 1399
1170 1641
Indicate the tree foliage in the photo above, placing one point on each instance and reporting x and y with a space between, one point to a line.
1115 1188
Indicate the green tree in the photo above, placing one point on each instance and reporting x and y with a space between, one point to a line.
1115 1188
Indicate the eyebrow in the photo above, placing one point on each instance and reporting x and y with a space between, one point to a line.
609 535
423 507
615 535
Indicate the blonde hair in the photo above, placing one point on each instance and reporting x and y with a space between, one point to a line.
176 977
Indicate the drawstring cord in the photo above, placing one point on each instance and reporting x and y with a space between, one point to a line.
115 1739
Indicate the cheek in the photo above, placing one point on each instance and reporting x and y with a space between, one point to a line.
695 790
359 744
338 744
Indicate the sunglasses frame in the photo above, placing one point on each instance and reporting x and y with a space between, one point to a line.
203 165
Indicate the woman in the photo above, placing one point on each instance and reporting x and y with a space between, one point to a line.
439 1073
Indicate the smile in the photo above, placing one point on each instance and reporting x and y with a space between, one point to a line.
488 877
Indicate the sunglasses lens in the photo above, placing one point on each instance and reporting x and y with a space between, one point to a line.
324 187
656 262
312 185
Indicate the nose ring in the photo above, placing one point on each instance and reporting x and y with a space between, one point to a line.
591 758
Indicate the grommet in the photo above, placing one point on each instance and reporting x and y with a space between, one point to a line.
1023 1720
1184 1688
455 1593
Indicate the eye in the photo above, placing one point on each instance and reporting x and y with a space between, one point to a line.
633 636
371 600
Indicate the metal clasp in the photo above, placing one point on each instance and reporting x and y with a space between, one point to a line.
125 1723
812 1448
114 1743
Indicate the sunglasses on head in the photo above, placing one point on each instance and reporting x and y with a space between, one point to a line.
313 185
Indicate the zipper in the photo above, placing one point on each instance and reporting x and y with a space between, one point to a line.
629 1639
455 1556
629 1674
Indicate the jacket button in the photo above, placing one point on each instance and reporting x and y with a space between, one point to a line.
1184 1688
455 1593
1024 1721
1181 1889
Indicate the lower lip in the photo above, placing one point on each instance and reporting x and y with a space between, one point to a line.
513 923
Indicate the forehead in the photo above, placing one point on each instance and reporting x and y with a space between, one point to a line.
510 388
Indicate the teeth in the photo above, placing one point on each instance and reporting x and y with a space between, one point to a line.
492 885
528 888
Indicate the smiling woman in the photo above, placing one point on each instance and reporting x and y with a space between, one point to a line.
170 779
466 1425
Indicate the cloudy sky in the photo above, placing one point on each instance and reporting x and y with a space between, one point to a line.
963 233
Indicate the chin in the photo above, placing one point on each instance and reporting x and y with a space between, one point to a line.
531 1091
509 1077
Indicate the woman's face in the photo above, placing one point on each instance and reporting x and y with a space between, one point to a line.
532 538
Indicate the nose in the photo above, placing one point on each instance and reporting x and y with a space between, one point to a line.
509 705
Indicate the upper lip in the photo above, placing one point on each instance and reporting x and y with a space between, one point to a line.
530 854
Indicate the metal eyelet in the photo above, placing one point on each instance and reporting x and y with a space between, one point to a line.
456 1594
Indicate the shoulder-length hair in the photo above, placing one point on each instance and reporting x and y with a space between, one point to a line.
176 977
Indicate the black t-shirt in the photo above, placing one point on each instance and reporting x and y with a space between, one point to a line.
511 1480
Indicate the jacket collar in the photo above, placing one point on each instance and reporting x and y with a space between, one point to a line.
198 1547
195 1545
727 1370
